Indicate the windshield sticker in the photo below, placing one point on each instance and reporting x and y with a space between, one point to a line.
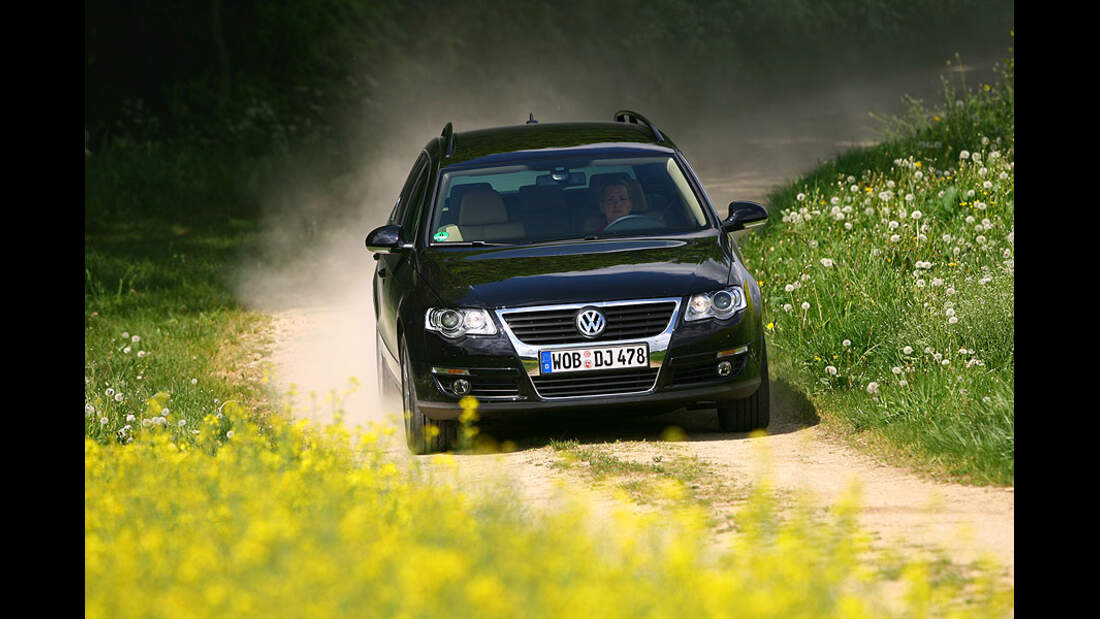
441 236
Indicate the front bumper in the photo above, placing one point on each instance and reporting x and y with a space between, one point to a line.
505 371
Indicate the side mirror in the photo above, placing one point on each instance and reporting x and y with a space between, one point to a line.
745 216
385 240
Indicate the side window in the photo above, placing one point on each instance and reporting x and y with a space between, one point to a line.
398 214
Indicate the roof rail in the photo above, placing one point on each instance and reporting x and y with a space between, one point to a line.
634 117
449 137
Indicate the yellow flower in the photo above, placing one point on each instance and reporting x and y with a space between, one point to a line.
771 326
916 163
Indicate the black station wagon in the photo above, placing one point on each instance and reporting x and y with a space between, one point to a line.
562 266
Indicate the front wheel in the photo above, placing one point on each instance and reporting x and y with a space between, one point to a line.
387 392
422 434
753 412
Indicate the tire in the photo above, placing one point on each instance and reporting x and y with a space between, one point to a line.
753 412
389 395
419 435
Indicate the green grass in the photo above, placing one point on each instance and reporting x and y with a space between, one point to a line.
904 253
161 225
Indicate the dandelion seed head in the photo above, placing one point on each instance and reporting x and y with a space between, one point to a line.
805 305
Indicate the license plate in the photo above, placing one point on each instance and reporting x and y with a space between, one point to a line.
588 359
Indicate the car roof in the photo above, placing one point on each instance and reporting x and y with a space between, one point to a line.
501 144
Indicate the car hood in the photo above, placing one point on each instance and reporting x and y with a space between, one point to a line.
576 271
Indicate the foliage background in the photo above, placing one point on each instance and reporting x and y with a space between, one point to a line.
261 75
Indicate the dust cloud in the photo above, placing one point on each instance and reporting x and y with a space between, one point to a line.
316 277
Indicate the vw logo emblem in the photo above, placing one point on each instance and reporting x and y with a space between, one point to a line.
590 322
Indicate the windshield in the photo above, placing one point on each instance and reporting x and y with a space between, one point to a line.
565 199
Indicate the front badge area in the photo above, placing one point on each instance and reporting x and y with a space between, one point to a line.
590 322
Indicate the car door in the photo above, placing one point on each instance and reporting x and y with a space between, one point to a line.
391 270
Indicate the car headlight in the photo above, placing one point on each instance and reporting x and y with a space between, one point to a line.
455 323
718 304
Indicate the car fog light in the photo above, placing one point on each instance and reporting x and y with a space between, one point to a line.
461 386
724 368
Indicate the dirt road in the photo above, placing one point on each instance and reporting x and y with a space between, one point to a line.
318 348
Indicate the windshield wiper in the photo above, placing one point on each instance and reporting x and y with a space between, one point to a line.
475 244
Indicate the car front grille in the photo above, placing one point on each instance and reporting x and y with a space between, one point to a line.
702 370
558 326
611 382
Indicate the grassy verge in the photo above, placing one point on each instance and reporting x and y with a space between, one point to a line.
889 281
165 343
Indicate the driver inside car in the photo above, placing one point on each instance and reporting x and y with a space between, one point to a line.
614 203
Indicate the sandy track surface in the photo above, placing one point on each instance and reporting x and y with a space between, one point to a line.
318 348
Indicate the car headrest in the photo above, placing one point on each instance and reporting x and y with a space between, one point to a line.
534 198
482 207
